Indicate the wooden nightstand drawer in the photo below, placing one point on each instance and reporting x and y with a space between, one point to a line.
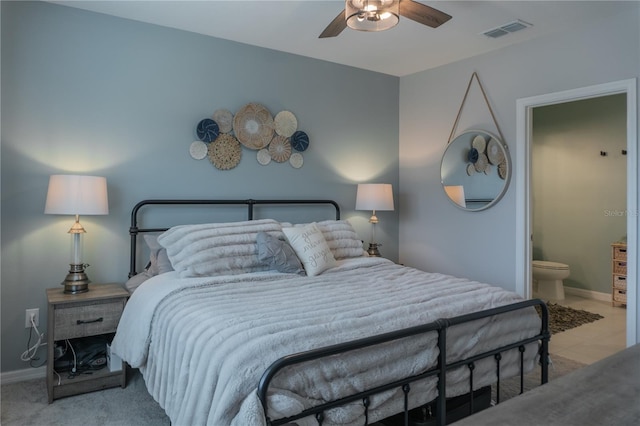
87 319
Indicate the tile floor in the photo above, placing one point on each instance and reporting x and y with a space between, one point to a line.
591 342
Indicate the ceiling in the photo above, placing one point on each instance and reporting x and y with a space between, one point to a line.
294 25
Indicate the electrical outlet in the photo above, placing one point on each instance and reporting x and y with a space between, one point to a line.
27 317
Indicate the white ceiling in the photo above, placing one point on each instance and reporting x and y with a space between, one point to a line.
294 25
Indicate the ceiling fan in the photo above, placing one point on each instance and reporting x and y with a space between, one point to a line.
379 15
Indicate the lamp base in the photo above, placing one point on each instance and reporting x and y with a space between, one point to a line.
373 250
76 280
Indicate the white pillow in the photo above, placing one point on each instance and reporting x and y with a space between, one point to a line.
342 239
311 247
217 248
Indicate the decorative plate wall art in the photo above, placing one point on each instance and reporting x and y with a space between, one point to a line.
300 141
296 160
481 163
264 157
224 118
494 152
473 155
207 130
286 123
198 150
471 170
482 155
502 170
275 140
253 126
479 143
280 149
225 152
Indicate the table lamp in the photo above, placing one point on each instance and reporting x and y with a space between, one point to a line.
76 195
374 196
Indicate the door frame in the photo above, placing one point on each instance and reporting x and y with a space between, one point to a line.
522 171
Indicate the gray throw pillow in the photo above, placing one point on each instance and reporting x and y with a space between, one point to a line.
278 254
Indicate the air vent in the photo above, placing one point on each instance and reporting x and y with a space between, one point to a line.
505 29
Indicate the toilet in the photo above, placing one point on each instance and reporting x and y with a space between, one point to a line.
547 279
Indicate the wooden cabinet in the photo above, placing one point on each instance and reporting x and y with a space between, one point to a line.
619 274
78 316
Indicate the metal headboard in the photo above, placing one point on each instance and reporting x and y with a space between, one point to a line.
250 203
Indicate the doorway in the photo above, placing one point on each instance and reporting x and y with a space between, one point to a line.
522 172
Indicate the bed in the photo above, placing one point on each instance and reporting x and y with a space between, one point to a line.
229 335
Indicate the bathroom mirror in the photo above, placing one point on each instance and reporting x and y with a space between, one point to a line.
475 170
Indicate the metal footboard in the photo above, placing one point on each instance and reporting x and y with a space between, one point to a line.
440 326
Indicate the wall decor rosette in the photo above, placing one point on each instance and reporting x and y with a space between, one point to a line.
222 137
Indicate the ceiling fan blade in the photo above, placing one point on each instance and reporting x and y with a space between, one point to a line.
422 13
336 26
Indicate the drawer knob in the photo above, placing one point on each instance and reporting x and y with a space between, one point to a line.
89 321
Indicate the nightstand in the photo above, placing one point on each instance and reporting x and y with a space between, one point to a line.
77 316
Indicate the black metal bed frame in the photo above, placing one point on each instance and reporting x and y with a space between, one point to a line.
439 326
134 230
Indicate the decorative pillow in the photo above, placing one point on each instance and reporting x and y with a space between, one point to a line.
217 248
158 263
311 247
278 254
158 259
134 282
342 239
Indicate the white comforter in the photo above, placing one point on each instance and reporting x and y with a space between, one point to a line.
202 344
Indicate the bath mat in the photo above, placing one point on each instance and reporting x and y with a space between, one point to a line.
563 318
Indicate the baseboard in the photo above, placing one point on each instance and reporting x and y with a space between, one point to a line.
588 294
22 375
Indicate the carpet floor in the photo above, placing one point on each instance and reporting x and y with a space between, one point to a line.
25 403
511 387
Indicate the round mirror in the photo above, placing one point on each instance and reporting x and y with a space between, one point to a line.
475 170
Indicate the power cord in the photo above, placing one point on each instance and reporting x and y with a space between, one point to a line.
30 353
75 361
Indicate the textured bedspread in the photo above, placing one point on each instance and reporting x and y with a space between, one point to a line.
202 344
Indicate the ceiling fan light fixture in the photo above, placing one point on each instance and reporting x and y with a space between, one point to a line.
372 15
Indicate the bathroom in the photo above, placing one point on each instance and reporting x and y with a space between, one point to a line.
579 193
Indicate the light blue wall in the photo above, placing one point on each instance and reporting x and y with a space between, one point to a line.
434 234
580 197
93 94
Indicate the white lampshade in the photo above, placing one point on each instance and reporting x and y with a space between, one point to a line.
374 196
372 15
456 194
77 195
